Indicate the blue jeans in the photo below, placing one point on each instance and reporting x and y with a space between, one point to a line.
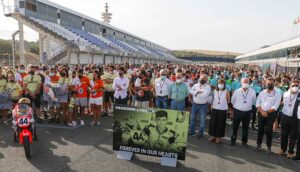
178 105
161 102
201 110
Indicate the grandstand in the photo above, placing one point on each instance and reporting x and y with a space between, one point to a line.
66 36
206 56
283 55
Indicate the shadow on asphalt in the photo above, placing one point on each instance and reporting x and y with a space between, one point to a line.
50 139
239 154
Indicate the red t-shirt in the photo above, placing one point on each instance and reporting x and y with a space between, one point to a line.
82 90
97 84
54 79
23 75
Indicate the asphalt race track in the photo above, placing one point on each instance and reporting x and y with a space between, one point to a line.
89 148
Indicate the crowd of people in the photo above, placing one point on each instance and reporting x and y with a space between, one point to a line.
254 98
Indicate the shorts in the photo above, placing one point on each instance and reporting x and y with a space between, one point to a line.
109 95
96 101
6 106
81 102
51 104
62 99
71 109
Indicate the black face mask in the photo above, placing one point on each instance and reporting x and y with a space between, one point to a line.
62 74
270 86
31 72
80 76
202 81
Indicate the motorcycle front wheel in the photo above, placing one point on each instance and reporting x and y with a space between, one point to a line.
26 146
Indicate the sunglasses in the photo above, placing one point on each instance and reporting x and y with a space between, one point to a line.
295 86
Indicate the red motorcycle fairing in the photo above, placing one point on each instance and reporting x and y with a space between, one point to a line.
23 133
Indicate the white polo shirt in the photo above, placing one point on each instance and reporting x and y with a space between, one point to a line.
289 101
201 98
268 101
162 87
243 100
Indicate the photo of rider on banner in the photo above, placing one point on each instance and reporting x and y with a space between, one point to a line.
154 132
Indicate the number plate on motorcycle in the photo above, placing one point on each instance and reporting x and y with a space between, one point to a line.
23 122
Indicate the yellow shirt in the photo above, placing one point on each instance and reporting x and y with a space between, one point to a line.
90 76
64 81
108 76
3 85
33 82
15 90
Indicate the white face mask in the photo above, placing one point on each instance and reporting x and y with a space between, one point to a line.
51 74
295 89
178 81
220 86
245 85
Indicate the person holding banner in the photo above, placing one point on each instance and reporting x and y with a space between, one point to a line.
53 103
162 90
14 88
4 97
200 92
217 123
142 87
120 85
267 104
178 91
62 95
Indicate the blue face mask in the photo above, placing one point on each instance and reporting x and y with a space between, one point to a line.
163 77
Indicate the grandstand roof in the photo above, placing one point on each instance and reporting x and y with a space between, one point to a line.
93 19
282 45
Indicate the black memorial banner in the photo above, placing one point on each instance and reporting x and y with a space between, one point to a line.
154 132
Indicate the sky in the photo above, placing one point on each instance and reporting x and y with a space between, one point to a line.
225 25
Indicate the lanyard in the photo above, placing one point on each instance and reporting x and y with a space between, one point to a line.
219 96
162 84
292 99
245 96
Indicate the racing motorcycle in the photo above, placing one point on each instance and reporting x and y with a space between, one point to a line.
24 131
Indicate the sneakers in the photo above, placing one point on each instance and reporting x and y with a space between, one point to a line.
81 122
74 123
93 123
192 134
98 123
70 124
110 111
